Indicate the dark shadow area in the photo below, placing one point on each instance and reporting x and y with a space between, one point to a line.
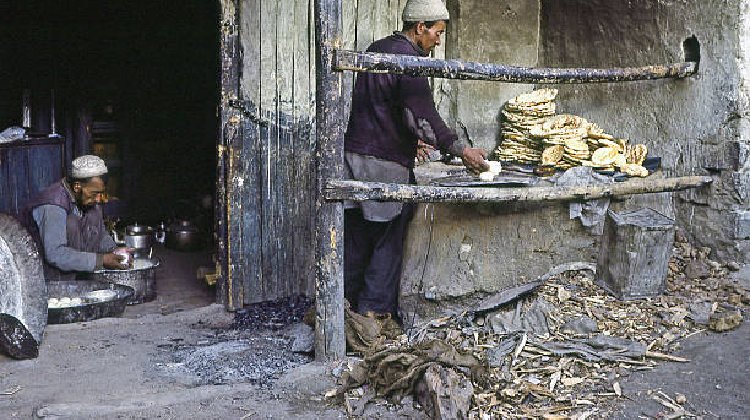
135 82
692 50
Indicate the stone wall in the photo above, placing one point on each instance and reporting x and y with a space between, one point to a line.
457 254
697 125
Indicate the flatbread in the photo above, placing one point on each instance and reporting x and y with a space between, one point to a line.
604 156
634 170
552 155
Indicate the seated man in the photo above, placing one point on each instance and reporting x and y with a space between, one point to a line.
67 223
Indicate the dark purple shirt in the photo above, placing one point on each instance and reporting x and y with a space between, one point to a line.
390 112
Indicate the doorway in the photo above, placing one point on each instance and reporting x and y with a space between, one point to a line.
135 82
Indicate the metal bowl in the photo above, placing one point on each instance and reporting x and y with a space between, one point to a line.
141 278
90 309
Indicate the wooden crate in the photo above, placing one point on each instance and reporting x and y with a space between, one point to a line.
634 255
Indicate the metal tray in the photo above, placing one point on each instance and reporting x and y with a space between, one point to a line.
502 180
90 309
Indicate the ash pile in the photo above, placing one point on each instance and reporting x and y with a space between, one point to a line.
264 341
558 350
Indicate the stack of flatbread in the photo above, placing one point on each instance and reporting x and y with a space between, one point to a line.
609 153
564 133
520 115
533 134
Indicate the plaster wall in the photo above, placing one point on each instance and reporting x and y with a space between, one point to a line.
500 31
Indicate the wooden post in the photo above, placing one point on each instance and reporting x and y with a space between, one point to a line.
228 135
330 121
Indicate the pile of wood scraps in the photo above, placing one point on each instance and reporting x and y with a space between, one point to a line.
561 349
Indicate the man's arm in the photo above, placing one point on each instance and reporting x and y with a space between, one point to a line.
427 124
52 222
422 117
107 244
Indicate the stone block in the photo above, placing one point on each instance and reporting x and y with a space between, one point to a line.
741 186
742 224
634 256
721 157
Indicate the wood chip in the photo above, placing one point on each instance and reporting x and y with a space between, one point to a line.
571 381
662 356
12 391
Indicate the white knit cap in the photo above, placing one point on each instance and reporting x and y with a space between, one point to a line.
424 10
87 166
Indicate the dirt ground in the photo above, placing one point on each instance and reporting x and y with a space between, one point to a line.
715 382
144 366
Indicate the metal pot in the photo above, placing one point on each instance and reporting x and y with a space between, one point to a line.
141 238
92 309
183 236
142 278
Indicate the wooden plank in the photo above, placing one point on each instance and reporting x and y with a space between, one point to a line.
250 40
6 188
227 286
231 282
350 24
306 168
247 241
19 170
250 213
330 343
379 22
466 70
294 196
311 176
364 27
44 168
236 276
361 191
394 15
285 110
269 141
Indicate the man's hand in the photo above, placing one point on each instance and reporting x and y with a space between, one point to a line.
112 261
423 151
474 160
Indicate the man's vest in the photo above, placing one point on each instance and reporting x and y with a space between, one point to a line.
84 233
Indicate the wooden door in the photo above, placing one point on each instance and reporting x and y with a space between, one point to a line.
266 179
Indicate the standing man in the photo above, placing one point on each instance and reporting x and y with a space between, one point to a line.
67 223
390 115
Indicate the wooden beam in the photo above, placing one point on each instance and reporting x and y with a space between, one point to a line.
228 137
360 191
465 70
330 342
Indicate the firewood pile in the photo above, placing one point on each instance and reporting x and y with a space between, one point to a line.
561 351
533 135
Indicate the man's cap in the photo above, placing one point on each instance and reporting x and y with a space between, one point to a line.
425 10
87 166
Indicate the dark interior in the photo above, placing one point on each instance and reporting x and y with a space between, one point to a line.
136 82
